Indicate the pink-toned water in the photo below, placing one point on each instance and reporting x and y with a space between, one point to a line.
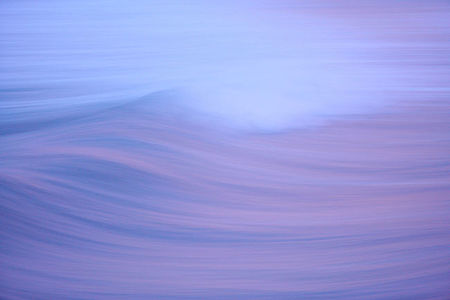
110 192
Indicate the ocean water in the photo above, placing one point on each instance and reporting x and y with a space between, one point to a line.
224 149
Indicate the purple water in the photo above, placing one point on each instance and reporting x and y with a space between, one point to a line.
224 150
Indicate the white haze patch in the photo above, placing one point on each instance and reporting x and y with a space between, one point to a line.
244 66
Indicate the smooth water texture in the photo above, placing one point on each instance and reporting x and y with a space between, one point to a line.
224 149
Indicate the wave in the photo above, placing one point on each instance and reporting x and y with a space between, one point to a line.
212 150
244 66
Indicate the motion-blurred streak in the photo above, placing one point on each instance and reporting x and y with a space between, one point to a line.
220 150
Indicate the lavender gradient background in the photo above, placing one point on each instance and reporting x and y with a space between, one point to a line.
224 149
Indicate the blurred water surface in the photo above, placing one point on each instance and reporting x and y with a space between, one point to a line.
224 150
